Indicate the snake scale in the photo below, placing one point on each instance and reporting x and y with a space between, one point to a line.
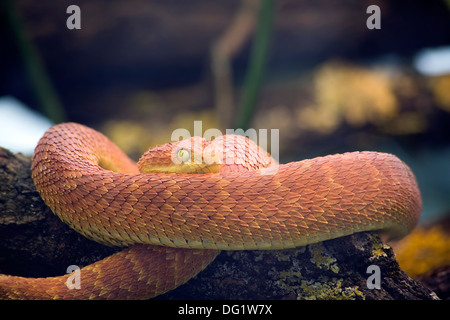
175 217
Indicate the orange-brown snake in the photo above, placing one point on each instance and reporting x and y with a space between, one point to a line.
176 223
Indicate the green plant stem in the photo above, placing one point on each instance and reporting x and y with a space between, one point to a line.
257 65
39 79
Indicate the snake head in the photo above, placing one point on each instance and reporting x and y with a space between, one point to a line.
229 153
185 156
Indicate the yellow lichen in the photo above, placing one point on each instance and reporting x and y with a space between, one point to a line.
290 274
328 289
424 250
322 260
407 122
323 288
351 94
378 250
287 277
440 88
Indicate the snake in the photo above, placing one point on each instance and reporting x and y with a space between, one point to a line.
187 200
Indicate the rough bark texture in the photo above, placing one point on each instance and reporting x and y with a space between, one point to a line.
35 243
335 269
439 281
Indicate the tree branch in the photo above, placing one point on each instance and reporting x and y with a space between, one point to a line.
35 243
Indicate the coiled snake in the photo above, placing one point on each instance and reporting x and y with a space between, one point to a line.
193 198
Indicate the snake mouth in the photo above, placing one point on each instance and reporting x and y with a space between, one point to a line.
182 168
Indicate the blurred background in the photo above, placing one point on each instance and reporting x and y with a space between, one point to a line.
137 70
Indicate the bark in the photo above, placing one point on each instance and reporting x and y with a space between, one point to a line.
35 243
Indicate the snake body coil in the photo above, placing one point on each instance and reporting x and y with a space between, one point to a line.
96 189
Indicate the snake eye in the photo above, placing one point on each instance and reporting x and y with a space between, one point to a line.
183 155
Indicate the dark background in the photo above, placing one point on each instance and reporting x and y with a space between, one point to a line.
136 70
